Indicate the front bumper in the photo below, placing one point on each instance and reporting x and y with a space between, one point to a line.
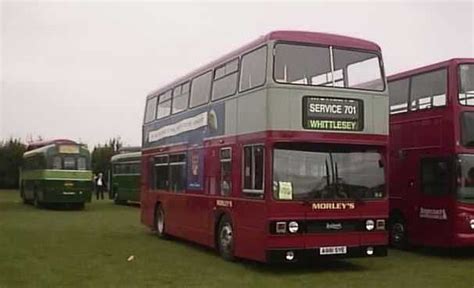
309 254
463 240
59 196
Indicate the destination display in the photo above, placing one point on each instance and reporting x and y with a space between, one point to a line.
321 113
69 149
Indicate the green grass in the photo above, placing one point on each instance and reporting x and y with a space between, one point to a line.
57 248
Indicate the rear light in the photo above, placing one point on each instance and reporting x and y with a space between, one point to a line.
472 223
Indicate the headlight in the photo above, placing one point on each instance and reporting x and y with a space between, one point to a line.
369 225
370 251
472 223
293 227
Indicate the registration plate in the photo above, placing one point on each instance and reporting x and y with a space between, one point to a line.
333 250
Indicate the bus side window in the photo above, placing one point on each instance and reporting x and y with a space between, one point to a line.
177 173
435 176
150 112
200 89
160 173
164 105
398 98
225 171
225 80
428 90
253 70
253 171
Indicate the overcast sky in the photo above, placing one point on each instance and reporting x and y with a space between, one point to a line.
81 70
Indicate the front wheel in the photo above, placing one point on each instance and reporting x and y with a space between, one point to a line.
225 239
398 233
160 222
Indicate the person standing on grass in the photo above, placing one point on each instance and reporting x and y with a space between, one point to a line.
99 186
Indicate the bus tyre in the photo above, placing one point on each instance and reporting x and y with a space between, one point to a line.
398 234
36 202
225 238
118 201
160 222
22 195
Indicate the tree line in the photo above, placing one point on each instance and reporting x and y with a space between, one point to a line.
11 159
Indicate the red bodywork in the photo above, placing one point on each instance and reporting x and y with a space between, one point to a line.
195 215
415 135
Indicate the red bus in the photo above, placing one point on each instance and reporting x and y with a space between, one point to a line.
275 152
432 155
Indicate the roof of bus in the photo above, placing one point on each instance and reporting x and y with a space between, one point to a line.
129 149
40 150
38 144
282 35
430 67
125 156
44 149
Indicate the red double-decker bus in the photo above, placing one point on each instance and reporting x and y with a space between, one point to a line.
431 155
275 152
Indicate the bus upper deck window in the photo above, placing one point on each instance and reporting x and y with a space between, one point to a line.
466 87
303 64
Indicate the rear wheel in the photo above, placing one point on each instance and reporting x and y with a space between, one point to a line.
160 222
22 195
117 199
80 206
36 201
225 239
398 233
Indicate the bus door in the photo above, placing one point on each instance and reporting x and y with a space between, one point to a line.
434 193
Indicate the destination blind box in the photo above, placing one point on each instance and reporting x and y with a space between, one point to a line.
340 114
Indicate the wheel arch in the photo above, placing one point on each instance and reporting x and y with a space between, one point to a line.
396 213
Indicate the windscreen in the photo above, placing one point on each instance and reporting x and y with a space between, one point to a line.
466 84
327 66
69 162
311 174
466 178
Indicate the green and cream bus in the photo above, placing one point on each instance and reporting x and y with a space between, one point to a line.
56 172
125 177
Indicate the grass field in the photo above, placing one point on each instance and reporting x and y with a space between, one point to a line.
60 248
